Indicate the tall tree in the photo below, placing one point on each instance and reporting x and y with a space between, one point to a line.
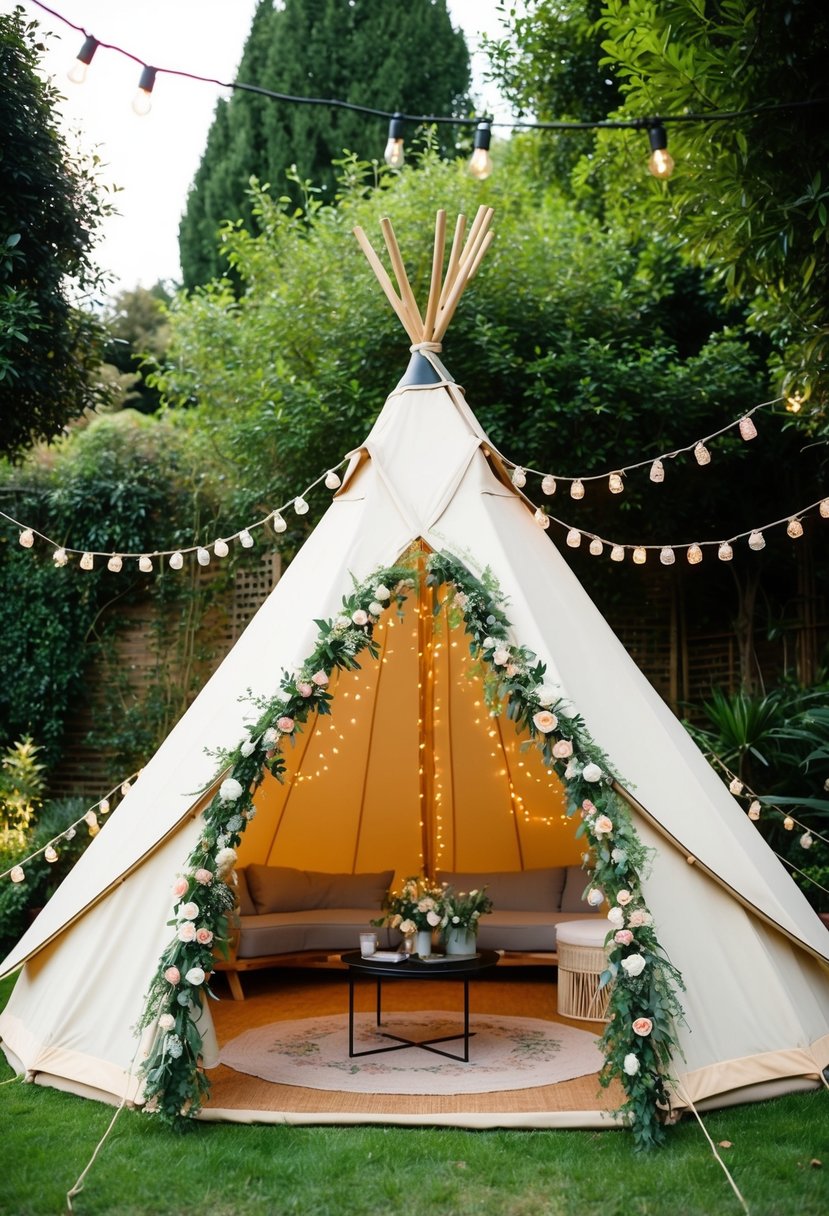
749 199
388 54
50 208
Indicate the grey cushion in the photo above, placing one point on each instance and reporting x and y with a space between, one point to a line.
522 931
280 889
528 890
313 929
284 889
571 900
350 890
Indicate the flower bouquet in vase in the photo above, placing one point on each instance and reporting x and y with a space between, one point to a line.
415 909
461 912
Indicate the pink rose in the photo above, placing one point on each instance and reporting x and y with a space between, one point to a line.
187 931
189 911
603 825
637 918
642 1026
180 887
304 689
624 897
320 678
205 877
501 656
359 617
588 807
545 721
172 975
623 937
286 724
203 936
562 749
511 669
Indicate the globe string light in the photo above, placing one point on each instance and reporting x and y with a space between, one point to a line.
744 424
692 549
738 789
17 872
61 553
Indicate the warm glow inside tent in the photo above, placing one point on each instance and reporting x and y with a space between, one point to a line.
410 770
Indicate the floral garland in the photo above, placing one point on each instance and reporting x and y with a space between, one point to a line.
175 1084
639 1040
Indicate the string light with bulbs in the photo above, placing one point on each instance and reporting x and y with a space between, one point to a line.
49 851
62 553
755 537
757 804
615 477
660 164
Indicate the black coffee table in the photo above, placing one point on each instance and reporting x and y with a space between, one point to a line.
462 969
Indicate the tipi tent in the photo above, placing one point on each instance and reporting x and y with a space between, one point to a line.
411 769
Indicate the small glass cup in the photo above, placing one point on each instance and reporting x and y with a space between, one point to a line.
368 944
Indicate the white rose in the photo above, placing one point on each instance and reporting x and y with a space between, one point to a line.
382 592
631 1064
568 711
433 919
247 747
545 694
633 965
487 643
225 859
166 1021
624 897
230 790
375 609
188 911
595 897
270 736
592 772
616 917
501 656
617 856
195 976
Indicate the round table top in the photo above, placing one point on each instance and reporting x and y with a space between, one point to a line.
415 968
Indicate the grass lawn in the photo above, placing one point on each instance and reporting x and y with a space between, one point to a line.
232 1170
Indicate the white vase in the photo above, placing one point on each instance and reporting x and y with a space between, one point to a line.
423 942
458 939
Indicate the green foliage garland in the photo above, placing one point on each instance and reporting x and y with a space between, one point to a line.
639 1041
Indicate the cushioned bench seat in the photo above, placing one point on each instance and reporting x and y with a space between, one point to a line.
311 929
285 912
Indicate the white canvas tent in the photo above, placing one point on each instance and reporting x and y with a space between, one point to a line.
752 952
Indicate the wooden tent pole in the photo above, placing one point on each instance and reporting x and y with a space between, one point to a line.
385 282
406 293
437 270
454 259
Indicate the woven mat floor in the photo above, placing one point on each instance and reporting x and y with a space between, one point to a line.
284 994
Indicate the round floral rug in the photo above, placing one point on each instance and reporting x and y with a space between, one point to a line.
504 1053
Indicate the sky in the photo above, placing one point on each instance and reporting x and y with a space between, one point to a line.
152 160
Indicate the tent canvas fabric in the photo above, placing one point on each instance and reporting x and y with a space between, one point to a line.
752 952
